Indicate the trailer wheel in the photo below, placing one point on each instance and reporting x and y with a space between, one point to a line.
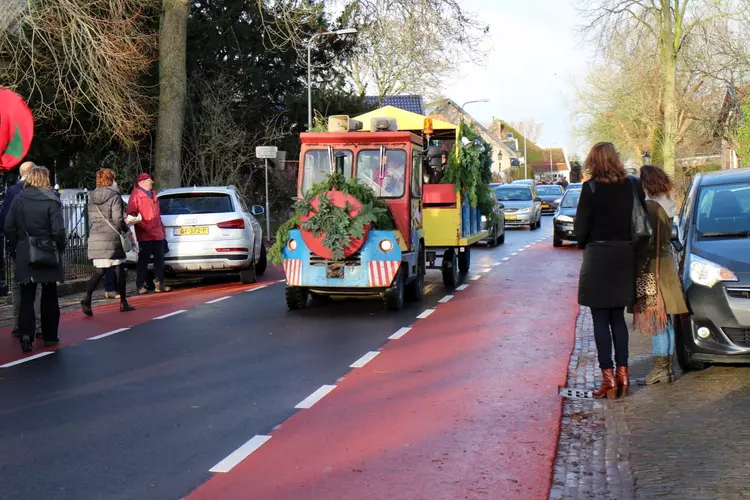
415 289
450 268
464 260
296 297
394 296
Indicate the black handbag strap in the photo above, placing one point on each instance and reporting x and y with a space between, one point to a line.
107 220
23 217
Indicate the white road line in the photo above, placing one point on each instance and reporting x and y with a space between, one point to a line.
256 288
474 278
281 281
400 333
521 250
113 332
514 253
426 314
240 454
496 264
506 259
364 359
171 314
219 299
527 246
486 270
462 288
19 361
445 299
316 396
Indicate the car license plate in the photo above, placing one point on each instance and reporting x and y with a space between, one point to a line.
191 231
511 217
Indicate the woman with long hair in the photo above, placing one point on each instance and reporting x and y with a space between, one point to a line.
36 219
603 228
108 228
658 291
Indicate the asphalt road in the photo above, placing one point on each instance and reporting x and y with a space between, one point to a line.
147 412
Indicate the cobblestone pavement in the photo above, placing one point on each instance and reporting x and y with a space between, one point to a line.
686 440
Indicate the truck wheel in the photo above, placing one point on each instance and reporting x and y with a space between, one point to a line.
415 289
464 260
684 357
394 296
262 264
248 276
450 268
296 297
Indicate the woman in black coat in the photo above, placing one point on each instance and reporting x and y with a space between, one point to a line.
36 212
105 244
603 228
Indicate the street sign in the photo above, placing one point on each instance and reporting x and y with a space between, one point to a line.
266 152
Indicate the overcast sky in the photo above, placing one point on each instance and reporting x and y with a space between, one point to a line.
536 55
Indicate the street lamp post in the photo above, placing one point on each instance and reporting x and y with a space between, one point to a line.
472 102
345 31
525 157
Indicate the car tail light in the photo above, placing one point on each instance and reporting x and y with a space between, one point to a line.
232 250
232 224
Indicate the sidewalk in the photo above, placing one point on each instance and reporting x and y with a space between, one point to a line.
464 405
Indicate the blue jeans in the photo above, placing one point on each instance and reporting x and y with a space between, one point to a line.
663 342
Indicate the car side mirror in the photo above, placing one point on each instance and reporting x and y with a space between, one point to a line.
559 200
538 199
257 210
500 205
675 239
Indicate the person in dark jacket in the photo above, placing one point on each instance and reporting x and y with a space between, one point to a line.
149 232
607 282
10 194
36 212
105 245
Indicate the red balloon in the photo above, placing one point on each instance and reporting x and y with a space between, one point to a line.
316 245
16 129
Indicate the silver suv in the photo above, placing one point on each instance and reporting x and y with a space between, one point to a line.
212 229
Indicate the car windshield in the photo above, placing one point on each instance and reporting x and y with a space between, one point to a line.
195 203
570 200
318 165
390 182
724 210
513 194
549 190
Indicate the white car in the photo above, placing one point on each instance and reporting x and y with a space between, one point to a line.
212 229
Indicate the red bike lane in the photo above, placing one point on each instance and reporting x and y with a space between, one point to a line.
75 327
464 405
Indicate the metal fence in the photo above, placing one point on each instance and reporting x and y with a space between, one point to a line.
75 257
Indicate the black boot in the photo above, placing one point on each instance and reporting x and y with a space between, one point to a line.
26 343
125 307
86 307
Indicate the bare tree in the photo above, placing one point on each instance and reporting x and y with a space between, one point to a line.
77 58
528 126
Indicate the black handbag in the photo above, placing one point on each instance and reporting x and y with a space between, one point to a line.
43 253
640 221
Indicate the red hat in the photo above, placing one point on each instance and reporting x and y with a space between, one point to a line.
142 177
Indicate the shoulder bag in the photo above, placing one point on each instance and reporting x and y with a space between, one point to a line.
639 222
124 240
43 253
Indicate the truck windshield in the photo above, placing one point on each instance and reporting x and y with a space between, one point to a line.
389 184
318 165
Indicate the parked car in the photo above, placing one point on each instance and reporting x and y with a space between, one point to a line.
212 229
522 206
574 185
550 195
565 218
496 229
525 181
712 238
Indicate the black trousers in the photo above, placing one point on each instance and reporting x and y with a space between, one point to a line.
145 250
609 328
99 273
50 311
110 279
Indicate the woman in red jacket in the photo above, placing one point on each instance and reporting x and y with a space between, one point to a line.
149 232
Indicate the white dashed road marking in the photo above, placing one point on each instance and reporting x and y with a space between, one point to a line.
462 288
165 316
474 278
364 359
19 361
219 299
256 289
445 299
403 331
113 332
240 454
426 314
316 396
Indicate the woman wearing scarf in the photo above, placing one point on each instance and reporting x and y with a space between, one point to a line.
658 289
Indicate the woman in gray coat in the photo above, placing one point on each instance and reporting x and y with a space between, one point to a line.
105 244
36 213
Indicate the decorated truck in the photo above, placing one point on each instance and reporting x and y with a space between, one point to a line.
365 222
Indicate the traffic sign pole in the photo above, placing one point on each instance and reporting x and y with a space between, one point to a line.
267 152
268 214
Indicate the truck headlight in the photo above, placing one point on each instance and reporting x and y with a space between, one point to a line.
386 245
706 273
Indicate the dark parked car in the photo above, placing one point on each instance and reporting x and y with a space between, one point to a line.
565 218
712 238
550 195
496 229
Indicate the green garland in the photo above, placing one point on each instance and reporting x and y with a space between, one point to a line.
335 222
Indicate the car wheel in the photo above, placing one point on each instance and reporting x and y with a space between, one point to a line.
684 356
296 297
394 296
248 276
262 264
449 268
493 240
556 242
532 225
539 222
502 236
415 289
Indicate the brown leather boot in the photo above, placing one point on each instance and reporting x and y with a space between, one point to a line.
609 385
623 381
